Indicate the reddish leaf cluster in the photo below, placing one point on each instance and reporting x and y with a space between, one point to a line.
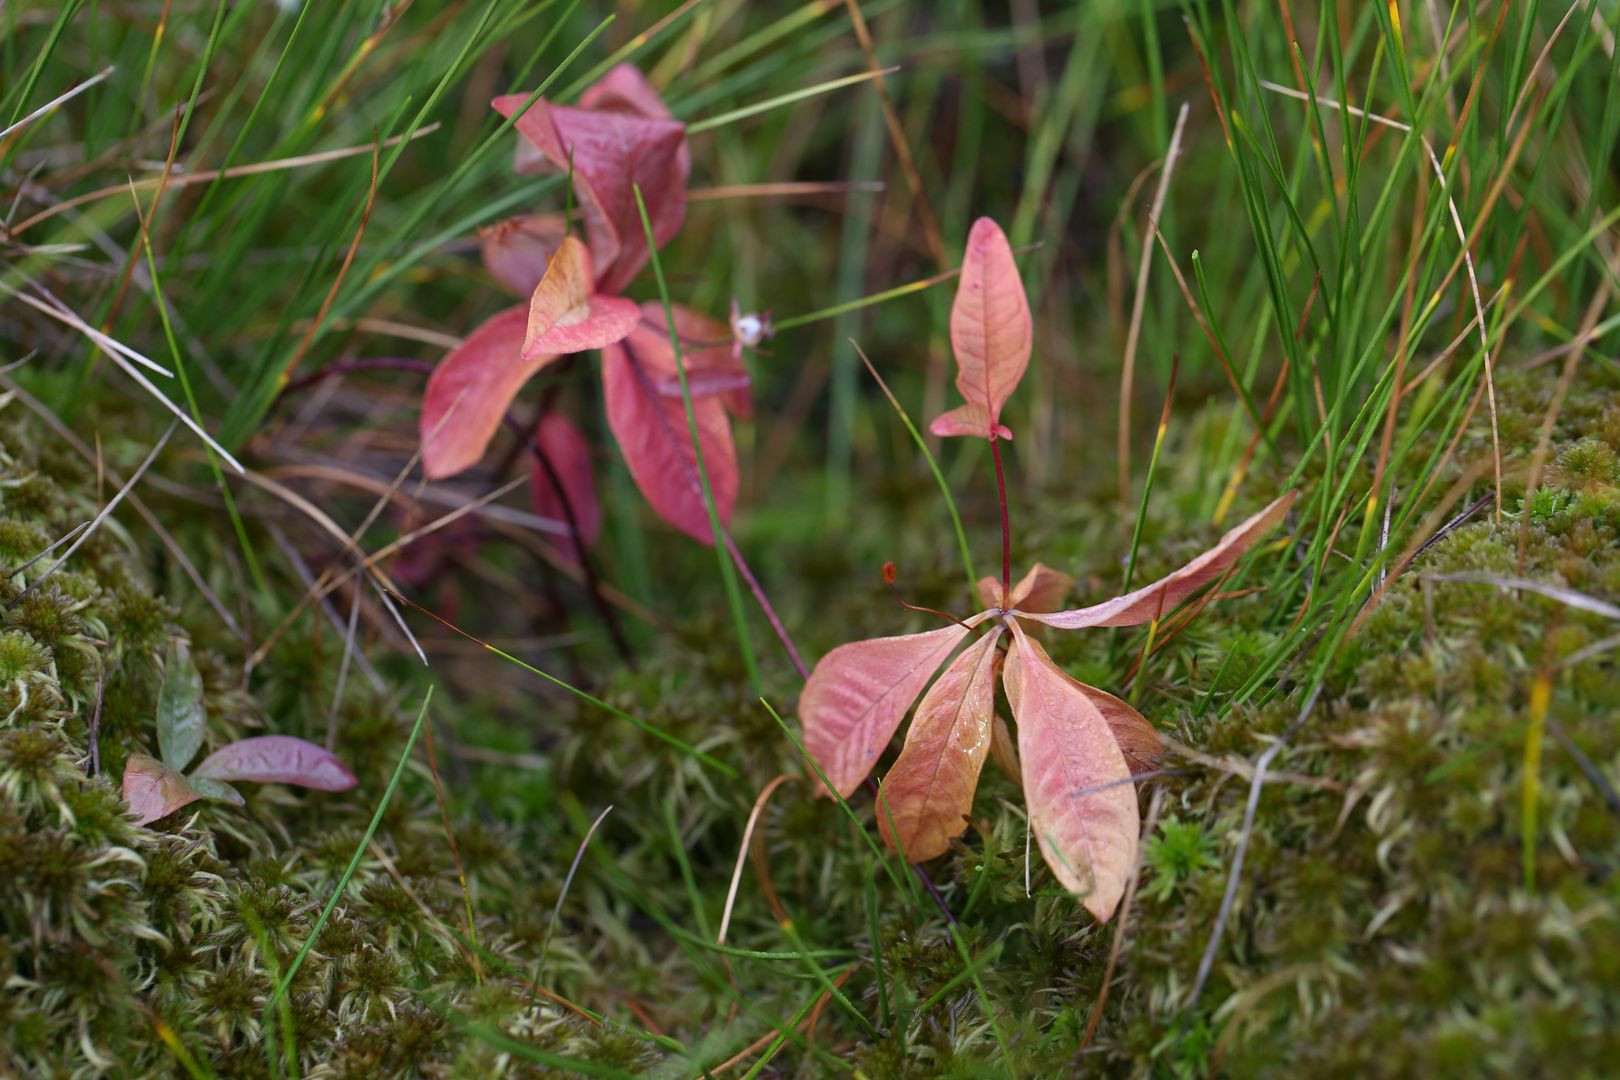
619 137
156 788
1077 746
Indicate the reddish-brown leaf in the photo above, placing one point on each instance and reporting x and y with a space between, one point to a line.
1042 589
991 334
858 694
470 390
1003 752
653 435
154 790
567 316
613 151
1082 805
1138 740
928 793
516 251
278 759
1163 596
712 366
570 457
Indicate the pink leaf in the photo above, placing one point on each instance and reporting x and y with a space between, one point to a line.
153 790
1082 805
517 250
653 435
858 694
625 89
991 334
613 151
1163 596
970 420
929 791
565 316
712 366
1042 589
278 759
570 457
1138 740
470 390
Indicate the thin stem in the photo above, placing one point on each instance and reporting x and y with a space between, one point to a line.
1006 529
592 585
667 428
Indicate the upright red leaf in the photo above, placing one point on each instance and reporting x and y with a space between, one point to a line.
470 390
1082 805
652 432
928 793
517 251
570 457
278 759
567 316
858 694
154 790
626 89
1163 596
991 335
613 152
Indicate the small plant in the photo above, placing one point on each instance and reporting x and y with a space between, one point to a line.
1078 745
1181 850
620 140
155 788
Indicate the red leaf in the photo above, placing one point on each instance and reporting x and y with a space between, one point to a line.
565 316
570 458
858 694
153 790
1163 596
1082 805
991 334
613 151
1042 589
468 393
1138 740
517 250
625 89
712 366
278 759
929 791
653 435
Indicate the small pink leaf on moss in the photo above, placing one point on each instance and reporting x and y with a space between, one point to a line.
570 457
991 334
567 316
1165 595
858 694
1082 805
469 392
278 759
516 251
153 790
928 793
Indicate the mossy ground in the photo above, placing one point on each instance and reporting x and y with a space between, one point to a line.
1398 913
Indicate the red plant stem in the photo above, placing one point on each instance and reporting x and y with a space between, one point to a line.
764 604
1006 529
